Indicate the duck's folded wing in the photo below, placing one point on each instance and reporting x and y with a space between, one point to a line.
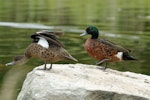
113 45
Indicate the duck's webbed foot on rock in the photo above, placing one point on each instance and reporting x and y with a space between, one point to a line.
45 68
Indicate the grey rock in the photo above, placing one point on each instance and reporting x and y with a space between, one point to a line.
84 82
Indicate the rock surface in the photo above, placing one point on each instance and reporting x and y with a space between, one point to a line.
84 82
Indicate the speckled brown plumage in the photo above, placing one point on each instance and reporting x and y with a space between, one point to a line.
100 51
104 50
52 54
45 46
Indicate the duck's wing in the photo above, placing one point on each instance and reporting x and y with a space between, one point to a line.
113 45
51 37
52 41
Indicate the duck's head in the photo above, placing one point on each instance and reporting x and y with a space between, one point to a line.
92 30
18 60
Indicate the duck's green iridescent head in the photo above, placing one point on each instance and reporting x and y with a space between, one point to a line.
91 30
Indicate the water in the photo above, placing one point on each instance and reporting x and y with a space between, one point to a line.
124 23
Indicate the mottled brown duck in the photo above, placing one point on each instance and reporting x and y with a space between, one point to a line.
45 46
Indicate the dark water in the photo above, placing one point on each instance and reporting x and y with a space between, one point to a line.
124 23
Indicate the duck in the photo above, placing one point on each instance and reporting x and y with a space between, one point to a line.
104 50
45 46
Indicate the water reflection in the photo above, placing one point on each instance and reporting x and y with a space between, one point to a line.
26 25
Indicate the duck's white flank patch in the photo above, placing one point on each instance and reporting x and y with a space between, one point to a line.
38 32
119 55
43 42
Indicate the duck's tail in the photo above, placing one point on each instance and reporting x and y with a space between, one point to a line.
126 56
18 60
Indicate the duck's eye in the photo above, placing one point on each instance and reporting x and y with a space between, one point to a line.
89 28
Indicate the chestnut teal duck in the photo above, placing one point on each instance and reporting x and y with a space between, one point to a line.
104 50
45 46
